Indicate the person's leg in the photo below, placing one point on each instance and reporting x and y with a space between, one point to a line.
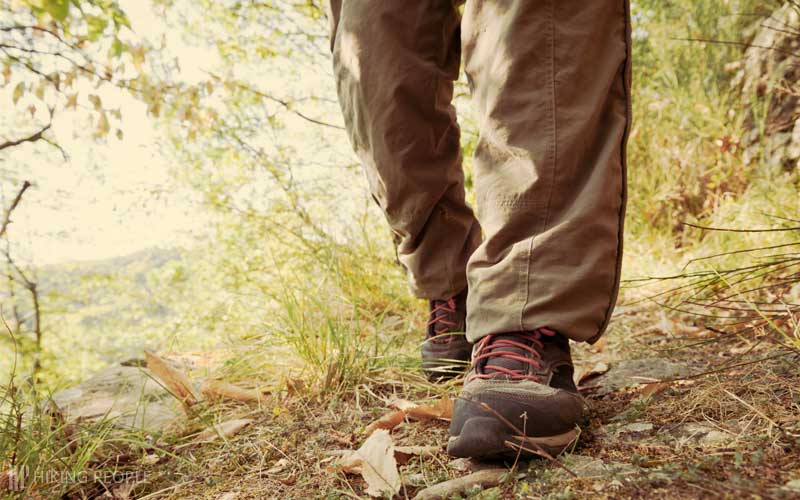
395 63
550 80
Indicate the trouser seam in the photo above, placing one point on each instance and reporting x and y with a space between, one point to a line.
553 156
626 83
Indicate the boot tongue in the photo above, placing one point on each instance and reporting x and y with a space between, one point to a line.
504 361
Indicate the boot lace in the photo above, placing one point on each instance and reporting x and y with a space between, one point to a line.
441 325
491 346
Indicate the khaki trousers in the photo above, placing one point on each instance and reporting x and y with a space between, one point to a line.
550 80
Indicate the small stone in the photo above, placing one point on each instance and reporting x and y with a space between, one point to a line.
716 439
703 435
630 373
468 465
635 428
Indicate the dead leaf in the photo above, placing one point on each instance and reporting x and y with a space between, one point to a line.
375 461
279 466
176 381
388 422
650 390
344 440
600 345
442 410
584 374
225 429
404 453
231 495
402 404
224 390
123 491
485 479
294 387
288 481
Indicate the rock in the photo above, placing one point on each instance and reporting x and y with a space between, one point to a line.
630 373
613 434
702 434
125 394
635 428
469 465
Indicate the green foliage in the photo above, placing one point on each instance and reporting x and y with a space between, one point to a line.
297 255
683 155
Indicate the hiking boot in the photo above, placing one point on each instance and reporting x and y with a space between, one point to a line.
519 396
445 351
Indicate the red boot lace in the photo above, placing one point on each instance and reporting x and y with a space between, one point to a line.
440 320
492 347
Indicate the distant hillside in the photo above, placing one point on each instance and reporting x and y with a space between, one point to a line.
99 312
61 277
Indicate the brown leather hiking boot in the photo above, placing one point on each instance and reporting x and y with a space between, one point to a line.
519 397
445 351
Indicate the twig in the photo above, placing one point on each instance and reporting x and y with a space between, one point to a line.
732 230
36 136
736 43
286 104
14 203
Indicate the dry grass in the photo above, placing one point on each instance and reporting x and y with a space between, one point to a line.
290 448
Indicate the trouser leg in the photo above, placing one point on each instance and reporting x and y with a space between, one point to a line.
395 63
550 79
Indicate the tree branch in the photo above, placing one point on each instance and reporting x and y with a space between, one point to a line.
7 217
31 138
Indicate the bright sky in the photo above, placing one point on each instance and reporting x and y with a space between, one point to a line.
112 198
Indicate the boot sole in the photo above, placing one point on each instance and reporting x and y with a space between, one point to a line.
487 437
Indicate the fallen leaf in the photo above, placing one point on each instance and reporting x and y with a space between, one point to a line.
442 410
584 374
344 440
279 466
402 404
388 421
231 495
600 345
224 429
176 381
375 461
404 453
485 479
294 387
650 390
288 481
123 491
224 390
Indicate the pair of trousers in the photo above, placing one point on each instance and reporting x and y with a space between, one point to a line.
550 80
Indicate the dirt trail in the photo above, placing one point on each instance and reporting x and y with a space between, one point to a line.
675 411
